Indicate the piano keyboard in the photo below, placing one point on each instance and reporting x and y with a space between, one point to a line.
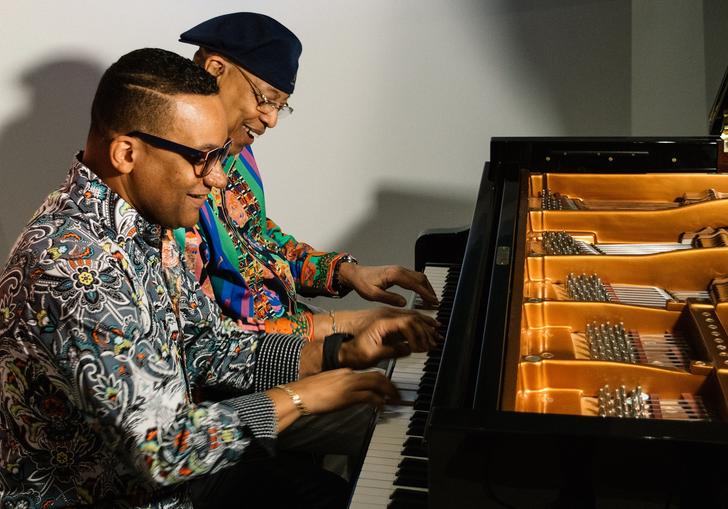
394 471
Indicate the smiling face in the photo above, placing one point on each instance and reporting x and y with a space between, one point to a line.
162 185
240 99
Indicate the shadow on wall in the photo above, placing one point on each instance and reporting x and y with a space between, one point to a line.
38 145
388 235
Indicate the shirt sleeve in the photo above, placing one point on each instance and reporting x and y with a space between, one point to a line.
300 324
221 353
103 349
194 248
312 270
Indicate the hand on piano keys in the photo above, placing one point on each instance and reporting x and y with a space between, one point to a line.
372 282
340 388
356 321
396 335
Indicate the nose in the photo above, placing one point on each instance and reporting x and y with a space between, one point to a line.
217 177
269 119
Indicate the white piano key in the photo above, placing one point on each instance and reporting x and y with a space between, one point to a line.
374 462
385 441
379 472
386 465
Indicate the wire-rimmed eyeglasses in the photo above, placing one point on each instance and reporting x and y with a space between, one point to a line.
265 105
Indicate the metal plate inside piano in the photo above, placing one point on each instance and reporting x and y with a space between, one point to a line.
621 315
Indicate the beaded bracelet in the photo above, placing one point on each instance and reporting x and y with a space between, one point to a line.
333 322
296 399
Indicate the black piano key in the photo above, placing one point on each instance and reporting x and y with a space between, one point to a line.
419 416
413 465
403 498
411 480
422 404
431 369
416 429
432 358
432 362
408 504
414 446
443 311
425 393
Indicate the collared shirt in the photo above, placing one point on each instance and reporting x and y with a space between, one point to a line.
103 337
247 264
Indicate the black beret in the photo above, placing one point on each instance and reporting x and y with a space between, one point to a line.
256 42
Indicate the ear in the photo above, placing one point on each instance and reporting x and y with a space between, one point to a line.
216 65
124 152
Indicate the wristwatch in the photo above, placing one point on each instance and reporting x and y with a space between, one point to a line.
339 286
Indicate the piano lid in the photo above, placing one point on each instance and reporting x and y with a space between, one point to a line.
716 118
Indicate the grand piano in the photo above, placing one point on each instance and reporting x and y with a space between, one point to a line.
585 361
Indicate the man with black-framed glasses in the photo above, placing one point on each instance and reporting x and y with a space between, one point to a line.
105 337
202 161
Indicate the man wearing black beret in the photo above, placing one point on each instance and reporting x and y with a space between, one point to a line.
243 259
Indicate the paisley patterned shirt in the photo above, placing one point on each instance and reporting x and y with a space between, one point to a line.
247 264
103 338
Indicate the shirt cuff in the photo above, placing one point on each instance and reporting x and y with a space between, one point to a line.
299 324
257 412
278 360
317 274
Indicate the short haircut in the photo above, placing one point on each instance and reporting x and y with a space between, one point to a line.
134 93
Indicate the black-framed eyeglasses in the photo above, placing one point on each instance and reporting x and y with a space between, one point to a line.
203 161
265 105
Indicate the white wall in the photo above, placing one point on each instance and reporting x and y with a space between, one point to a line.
395 102
668 75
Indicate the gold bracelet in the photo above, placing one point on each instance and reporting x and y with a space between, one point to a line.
333 322
296 399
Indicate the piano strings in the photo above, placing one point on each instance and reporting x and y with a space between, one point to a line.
612 342
550 200
591 288
637 404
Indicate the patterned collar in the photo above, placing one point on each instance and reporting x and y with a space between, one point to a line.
93 197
